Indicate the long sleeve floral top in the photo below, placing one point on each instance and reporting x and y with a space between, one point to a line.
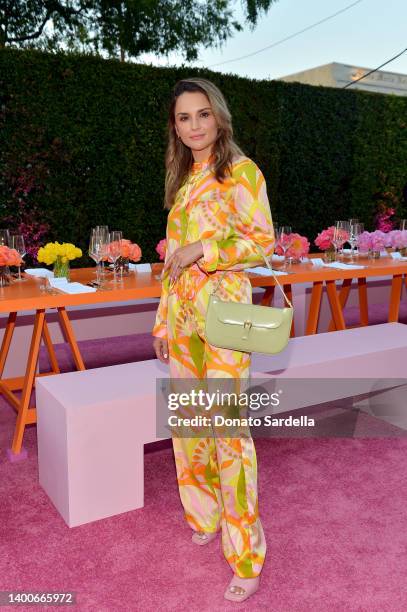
230 219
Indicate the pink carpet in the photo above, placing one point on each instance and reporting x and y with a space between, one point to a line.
334 513
378 313
102 352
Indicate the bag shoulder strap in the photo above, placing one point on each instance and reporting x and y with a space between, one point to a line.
271 270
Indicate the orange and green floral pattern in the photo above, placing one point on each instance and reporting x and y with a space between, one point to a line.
217 477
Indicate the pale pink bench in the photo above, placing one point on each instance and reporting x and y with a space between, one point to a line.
92 425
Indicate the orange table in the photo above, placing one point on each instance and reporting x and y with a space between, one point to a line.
27 296
320 276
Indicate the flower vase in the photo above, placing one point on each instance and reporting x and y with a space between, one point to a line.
4 276
329 256
374 254
403 251
61 267
122 266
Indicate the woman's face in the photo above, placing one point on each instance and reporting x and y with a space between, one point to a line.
195 124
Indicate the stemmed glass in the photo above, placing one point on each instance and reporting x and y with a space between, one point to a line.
114 250
97 245
17 243
4 237
355 229
284 241
104 230
403 224
341 234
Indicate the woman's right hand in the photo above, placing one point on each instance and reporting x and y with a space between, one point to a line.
161 349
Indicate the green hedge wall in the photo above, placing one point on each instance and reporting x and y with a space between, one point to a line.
83 142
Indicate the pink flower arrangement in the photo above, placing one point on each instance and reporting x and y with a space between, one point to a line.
324 239
373 241
161 249
378 240
397 239
299 246
9 257
364 242
128 250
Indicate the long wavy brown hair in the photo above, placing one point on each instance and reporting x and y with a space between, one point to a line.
179 158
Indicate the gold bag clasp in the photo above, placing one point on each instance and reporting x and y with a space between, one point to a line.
247 325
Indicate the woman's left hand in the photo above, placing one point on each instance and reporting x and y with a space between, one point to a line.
181 258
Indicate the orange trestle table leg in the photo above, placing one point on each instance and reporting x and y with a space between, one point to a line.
363 305
314 309
5 345
395 295
268 296
50 348
26 416
70 337
343 298
335 305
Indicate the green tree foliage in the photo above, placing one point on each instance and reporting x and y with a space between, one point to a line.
120 27
82 143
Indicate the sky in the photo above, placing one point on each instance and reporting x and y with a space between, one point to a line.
366 35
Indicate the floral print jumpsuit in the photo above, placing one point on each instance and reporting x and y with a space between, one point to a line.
217 477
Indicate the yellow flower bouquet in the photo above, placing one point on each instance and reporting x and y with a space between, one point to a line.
60 255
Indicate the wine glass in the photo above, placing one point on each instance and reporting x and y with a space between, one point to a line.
114 250
403 224
341 235
17 243
4 237
283 238
355 229
104 231
96 248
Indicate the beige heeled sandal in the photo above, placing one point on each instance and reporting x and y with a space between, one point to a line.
240 589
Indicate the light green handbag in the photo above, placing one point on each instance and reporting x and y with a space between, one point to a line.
248 327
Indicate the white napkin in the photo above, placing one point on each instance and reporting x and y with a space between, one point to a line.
349 251
144 267
317 261
341 266
396 255
59 281
74 288
39 272
263 271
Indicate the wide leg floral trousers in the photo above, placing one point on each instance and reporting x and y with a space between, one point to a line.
217 477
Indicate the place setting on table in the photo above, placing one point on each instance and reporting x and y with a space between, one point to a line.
292 249
115 258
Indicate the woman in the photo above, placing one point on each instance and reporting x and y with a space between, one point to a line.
218 213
